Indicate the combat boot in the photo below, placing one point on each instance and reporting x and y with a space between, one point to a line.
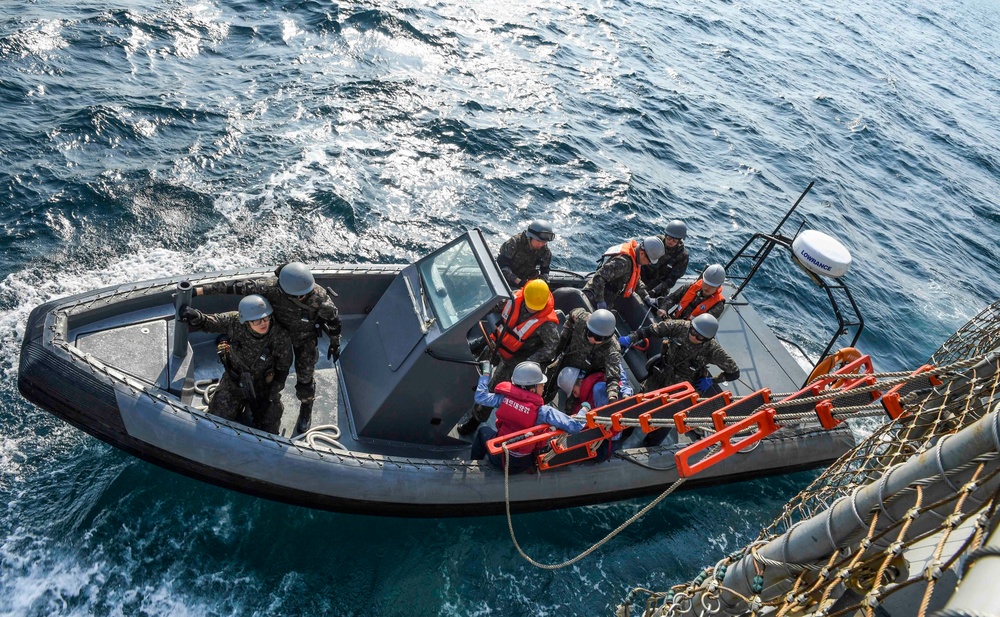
468 427
305 417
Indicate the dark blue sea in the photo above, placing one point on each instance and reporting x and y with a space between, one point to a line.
141 139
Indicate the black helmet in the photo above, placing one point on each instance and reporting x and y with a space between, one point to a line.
542 231
677 229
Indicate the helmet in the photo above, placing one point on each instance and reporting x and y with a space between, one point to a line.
295 279
601 322
536 295
677 229
540 230
654 248
253 308
567 379
706 325
714 275
527 374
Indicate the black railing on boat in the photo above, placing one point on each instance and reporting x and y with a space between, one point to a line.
848 316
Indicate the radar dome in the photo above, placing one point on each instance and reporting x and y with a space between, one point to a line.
821 254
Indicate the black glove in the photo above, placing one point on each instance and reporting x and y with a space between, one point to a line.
332 328
333 353
189 315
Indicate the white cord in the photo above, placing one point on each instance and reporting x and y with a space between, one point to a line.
323 437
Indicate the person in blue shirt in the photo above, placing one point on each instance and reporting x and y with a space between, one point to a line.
519 405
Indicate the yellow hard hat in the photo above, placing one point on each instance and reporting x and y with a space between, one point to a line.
536 295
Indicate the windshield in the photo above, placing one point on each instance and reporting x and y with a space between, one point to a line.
454 283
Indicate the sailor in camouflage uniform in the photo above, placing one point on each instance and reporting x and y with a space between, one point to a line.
526 256
256 354
618 274
304 309
687 350
588 343
661 276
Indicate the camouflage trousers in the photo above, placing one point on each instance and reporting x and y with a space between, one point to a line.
229 403
306 355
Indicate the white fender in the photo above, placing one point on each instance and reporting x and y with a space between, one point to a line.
821 254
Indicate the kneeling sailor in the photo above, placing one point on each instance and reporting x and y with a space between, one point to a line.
519 406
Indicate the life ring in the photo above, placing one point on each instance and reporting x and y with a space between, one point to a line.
834 362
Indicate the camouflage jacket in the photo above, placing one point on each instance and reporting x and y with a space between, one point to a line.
518 261
684 359
267 358
578 351
541 345
608 283
664 274
300 317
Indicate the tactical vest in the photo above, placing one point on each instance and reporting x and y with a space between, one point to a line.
702 307
518 411
510 338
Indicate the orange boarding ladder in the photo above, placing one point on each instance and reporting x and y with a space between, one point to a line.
582 446
824 409
765 419
890 400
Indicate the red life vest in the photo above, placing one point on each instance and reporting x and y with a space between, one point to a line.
701 307
587 390
513 335
518 411
631 250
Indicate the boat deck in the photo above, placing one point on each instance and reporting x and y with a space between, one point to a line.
140 345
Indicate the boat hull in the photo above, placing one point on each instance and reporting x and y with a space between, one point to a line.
148 422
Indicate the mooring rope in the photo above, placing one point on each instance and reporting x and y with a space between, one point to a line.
599 544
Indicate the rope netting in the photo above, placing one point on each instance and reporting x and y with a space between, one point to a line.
892 515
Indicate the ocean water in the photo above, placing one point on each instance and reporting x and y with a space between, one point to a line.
141 139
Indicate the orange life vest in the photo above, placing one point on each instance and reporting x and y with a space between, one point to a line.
701 307
630 249
510 337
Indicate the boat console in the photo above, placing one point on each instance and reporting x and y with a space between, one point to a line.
406 371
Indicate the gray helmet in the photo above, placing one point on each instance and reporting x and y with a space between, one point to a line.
706 325
540 230
527 374
295 279
253 308
567 379
654 248
677 229
601 322
714 275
